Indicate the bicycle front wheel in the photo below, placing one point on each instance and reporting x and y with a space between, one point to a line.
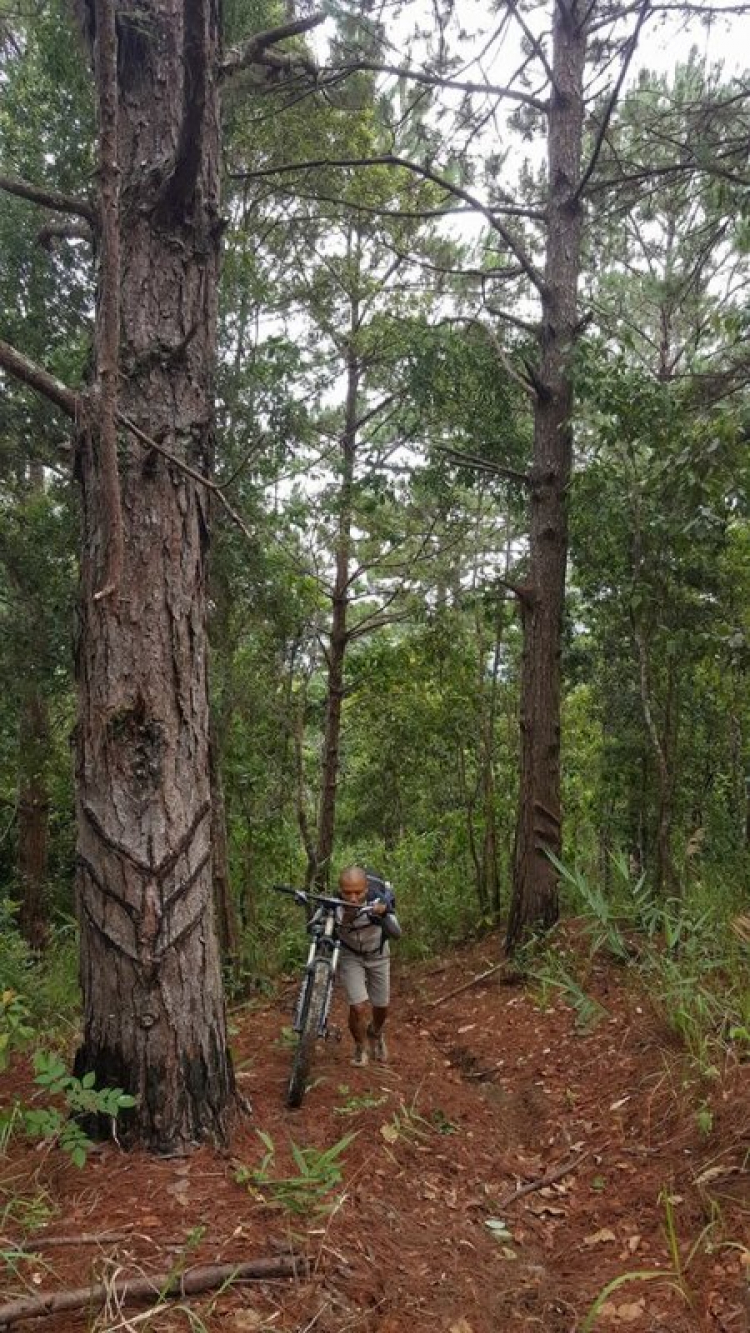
311 1020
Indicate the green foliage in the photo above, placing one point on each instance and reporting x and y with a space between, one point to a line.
691 963
599 922
64 1097
22 1212
354 1103
79 1097
15 958
553 978
48 988
319 1172
409 1125
16 1031
676 1276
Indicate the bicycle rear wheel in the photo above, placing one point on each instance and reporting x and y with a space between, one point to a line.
311 1020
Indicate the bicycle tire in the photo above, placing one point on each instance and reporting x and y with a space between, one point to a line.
303 1056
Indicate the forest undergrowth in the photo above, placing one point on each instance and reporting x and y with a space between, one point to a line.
562 1145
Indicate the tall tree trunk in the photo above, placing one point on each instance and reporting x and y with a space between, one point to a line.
303 821
339 639
33 758
33 817
224 906
154 1019
469 799
538 828
665 874
489 845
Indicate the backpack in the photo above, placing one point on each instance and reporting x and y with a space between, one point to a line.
380 890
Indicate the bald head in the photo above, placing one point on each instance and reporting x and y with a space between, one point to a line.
353 884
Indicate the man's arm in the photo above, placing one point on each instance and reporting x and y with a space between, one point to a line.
386 917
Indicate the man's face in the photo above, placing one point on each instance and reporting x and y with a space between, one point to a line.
353 889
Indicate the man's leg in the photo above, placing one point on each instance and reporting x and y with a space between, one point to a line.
379 1015
378 985
358 1014
352 974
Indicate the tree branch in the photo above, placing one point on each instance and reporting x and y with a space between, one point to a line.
36 378
64 231
482 465
435 81
373 411
612 102
59 203
418 214
189 471
241 57
154 1287
549 1179
502 356
391 160
69 402
371 623
533 41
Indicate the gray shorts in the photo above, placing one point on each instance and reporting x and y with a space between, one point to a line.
365 978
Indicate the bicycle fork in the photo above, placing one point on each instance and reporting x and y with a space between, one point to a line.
331 960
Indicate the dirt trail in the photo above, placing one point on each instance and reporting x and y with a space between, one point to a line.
483 1095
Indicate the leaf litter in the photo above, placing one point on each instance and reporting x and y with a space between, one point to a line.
413 1243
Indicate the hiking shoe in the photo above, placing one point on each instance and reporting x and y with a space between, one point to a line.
360 1056
378 1048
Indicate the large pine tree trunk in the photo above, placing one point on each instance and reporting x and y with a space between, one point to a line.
153 1001
538 830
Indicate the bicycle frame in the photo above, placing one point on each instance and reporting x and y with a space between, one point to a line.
325 946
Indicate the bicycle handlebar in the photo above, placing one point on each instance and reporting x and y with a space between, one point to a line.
303 896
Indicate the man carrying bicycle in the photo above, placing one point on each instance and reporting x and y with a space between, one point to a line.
365 928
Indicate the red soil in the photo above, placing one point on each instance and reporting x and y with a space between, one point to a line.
484 1093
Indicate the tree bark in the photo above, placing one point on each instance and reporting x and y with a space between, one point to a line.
490 868
154 1018
339 639
538 828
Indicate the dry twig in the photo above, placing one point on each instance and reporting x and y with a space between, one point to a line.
543 1181
510 979
201 1278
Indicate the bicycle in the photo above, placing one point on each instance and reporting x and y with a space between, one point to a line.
314 1000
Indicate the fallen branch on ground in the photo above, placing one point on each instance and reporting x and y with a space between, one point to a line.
510 979
194 1280
93 1238
542 1182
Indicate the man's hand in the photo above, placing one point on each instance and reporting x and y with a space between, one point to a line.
377 909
